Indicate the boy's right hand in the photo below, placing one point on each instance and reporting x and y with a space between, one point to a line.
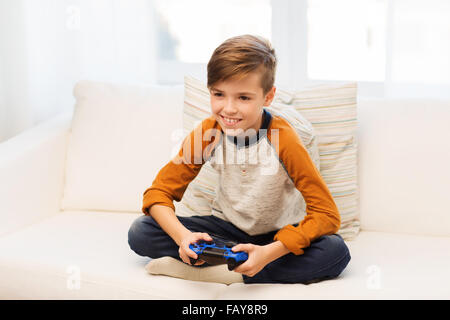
185 252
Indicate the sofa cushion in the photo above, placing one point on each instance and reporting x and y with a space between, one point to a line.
383 266
85 255
121 135
404 157
199 195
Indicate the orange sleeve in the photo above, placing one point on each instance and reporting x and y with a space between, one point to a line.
173 179
322 215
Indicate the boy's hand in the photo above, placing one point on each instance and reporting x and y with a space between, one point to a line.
257 258
185 252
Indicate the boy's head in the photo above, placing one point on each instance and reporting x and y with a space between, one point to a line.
241 76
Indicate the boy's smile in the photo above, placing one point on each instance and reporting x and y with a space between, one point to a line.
237 104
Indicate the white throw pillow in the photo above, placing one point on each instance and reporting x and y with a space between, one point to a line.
121 136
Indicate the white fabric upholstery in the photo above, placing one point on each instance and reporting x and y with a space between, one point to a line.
402 251
39 261
121 136
383 266
32 174
43 261
404 156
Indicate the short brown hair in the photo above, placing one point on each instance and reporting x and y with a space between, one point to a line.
236 57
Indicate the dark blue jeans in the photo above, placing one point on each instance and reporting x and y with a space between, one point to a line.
325 258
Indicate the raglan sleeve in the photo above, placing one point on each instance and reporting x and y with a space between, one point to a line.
173 179
322 215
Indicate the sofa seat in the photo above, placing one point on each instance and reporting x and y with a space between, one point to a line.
383 266
44 261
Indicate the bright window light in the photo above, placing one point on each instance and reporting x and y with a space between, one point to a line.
346 40
189 31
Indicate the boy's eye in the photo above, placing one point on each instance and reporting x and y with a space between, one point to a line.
219 94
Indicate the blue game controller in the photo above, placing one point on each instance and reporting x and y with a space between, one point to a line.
218 252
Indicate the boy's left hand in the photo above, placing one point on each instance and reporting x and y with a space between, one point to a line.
257 258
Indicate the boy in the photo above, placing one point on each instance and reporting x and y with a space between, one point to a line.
255 204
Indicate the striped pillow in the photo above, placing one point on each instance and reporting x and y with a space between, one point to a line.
331 109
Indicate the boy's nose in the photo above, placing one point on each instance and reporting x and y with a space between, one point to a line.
229 108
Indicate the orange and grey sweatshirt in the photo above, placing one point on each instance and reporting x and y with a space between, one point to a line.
261 178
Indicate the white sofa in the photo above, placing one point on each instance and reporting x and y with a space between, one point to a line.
52 249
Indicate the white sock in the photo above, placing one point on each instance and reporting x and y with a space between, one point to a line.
175 268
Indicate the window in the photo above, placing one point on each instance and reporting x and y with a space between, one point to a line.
392 48
189 31
399 46
346 40
421 46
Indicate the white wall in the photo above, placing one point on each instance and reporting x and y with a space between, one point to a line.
2 108
49 45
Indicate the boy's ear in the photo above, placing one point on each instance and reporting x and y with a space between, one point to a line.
269 96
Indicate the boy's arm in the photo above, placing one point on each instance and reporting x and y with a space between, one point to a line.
173 179
170 184
322 215
169 222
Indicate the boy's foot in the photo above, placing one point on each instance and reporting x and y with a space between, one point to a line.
175 268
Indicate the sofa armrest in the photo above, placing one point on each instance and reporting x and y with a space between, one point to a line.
32 173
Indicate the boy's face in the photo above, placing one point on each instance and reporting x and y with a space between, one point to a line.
241 99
